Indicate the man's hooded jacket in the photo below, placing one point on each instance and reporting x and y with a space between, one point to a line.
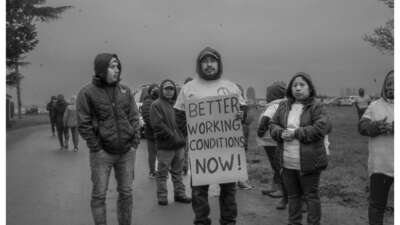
108 117
163 121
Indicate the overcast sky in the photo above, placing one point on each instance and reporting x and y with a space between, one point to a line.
260 41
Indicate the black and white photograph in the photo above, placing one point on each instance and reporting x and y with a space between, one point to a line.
178 112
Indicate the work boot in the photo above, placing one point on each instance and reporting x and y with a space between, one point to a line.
162 201
183 199
244 185
273 187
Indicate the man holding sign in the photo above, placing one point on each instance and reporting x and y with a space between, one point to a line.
215 137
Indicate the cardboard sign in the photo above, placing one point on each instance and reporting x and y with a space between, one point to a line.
215 140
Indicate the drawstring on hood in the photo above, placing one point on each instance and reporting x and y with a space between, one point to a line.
383 92
307 78
101 64
173 99
213 53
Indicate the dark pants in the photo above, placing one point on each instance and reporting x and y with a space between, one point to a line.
379 190
227 204
74 134
186 160
271 152
152 154
101 164
62 133
53 125
298 185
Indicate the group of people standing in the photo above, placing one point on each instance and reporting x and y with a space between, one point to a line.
293 129
63 119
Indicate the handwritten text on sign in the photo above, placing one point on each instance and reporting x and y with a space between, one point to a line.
215 140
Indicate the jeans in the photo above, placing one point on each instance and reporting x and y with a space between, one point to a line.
101 163
62 133
172 161
74 134
227 204
379 190
152 154
302 184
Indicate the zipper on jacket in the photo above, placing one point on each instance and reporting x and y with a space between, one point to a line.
113 104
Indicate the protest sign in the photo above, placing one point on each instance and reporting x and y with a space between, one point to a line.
215 140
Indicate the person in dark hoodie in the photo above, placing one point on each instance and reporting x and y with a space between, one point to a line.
275 95
170 144
52 114
152 95
299 126
209 83
62 132
378 124
108 119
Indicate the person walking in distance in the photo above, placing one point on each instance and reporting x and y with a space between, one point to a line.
361 103
71 123
152 95
299 126
62 133
378 124
52 114
170 144
108 119
209 83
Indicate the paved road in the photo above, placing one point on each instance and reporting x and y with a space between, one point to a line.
46 186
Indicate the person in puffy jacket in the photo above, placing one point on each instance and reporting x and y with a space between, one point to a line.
170 144
299 126
152 95
108 119
378 124
71 123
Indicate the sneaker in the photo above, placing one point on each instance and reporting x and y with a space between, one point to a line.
163 201
66 146
276 194
244 185
75 149
282 204
183 199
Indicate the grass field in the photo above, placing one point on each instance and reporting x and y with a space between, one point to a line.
345 181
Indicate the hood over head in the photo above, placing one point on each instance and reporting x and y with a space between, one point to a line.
165 83
383 92
101 63
209 52
150 88
307 78
276 91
